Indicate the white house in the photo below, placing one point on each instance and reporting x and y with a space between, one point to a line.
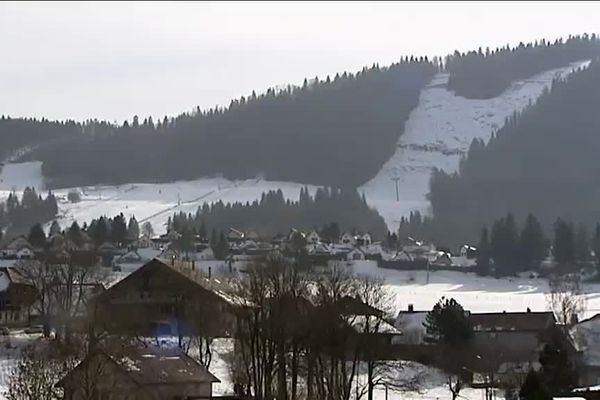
16 245
467 251
348 239
313 237
366 239
411 323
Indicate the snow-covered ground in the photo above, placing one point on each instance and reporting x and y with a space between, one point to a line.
148 202
475 293
438 132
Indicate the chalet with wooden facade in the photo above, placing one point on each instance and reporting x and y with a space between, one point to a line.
167 298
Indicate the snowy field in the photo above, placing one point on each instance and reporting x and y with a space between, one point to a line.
148 202
475 293
438 132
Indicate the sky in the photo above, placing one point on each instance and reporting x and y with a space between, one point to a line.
113 60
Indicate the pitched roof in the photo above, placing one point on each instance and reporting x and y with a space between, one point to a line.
195 276
512 321
586 337
14 276
151 366
155 365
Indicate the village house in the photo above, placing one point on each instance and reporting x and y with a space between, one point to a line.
348 239
138 374
235 236
442 259
313 237
509 343
585 337
18 248
168 298
411 323
16 297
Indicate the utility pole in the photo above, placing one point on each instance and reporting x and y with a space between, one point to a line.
396 179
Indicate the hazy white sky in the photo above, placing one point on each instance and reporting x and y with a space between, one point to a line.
116 59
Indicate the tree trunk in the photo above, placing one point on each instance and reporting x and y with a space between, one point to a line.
370 379
294 372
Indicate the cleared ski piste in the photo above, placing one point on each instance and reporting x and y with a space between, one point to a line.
439 132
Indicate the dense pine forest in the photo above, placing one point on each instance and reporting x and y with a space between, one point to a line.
272 214
21 133
544 160
485 74
338 132
18 215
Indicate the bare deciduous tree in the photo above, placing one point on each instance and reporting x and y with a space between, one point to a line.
566 297
455 384
42 364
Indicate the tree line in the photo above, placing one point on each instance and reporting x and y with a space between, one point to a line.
330 210
484 74
543 160
506 250
18 215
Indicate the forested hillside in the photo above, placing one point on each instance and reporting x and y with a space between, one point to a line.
337 132
19 133
485 74
543 161
272 214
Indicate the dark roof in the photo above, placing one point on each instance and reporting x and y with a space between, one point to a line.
512 321
14 276
350 305
151 366
154 365
194 276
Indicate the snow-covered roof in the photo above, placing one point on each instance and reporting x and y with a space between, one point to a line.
150 366
586 337
411 325
375 324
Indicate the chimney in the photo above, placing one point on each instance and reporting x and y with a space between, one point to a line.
411 308
209 272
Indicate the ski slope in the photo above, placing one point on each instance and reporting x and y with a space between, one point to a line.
148 202
438 133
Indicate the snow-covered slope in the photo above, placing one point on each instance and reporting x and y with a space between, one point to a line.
438 132
148 202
